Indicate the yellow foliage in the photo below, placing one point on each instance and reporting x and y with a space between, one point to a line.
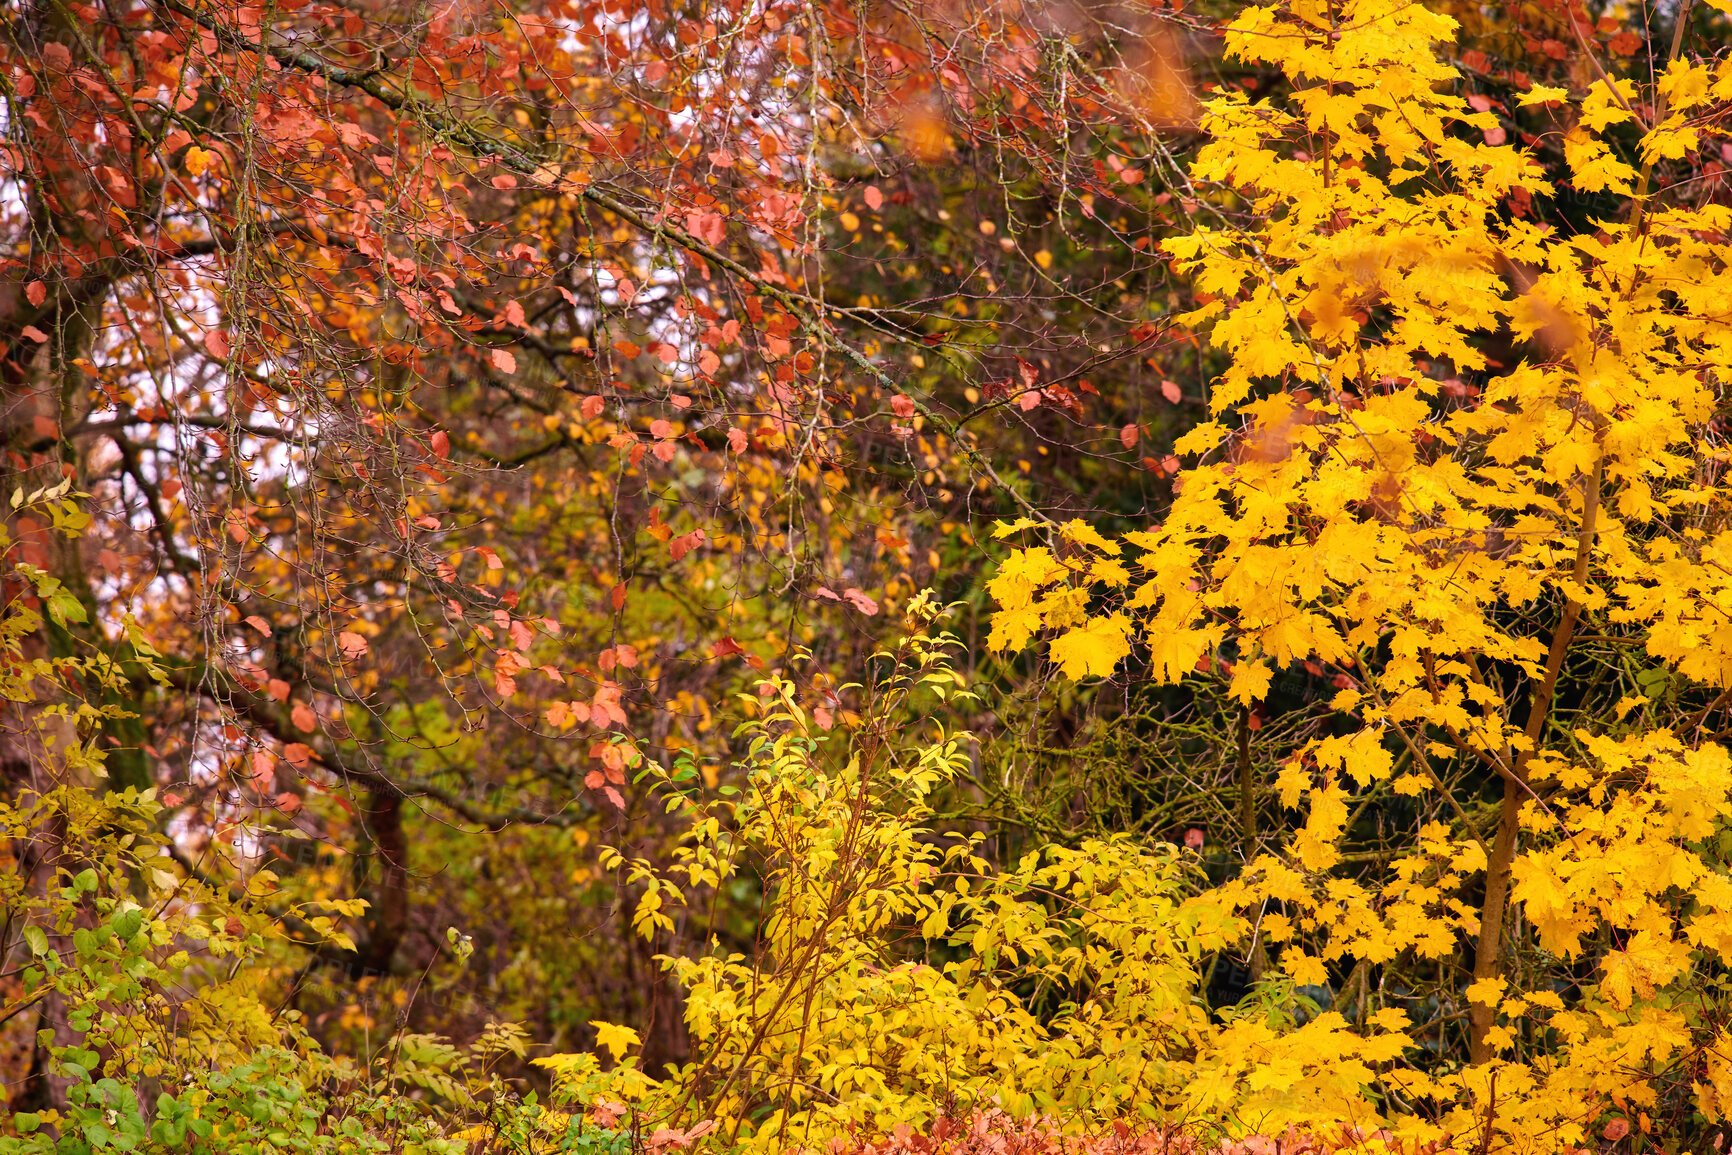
1349 510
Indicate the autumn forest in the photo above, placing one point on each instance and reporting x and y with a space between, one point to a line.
866 577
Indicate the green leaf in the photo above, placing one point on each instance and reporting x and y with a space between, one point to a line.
126 924
64 606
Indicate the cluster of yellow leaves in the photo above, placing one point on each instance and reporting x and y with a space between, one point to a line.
1348 509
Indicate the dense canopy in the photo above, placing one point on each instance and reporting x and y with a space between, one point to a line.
749 575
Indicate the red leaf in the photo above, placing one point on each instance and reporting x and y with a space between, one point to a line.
725 647
299 754
592 406
860 601
303 717
1170 390
257 623
36 292
278 689
216 343
737 440
441 443
874 198
351 644
902 405
503 360
35 334
1128 436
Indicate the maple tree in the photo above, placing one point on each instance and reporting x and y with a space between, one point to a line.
789 574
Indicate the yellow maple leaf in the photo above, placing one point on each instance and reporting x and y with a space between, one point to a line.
615 1038
1250 681
1093 649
